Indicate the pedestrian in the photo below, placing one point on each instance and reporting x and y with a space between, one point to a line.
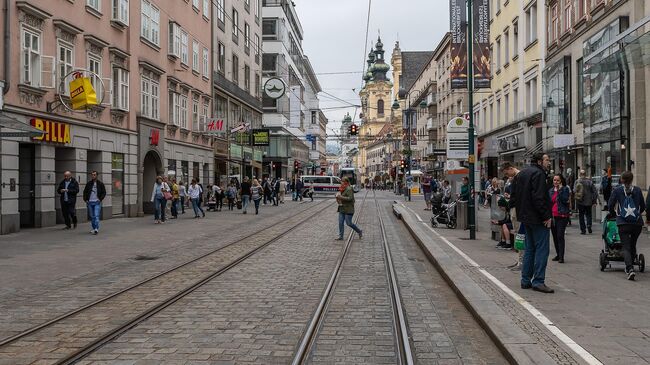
158 199
309 191
504 224
245 193
283 189
195 191
68 189
266 185
586 197
200 195
534 211
512 173
257 191
465 194
426 189
446 192
627 200
175 197
276 192
182 193
94 193
231 195
345 200
560 195
220 192
606 187
300 187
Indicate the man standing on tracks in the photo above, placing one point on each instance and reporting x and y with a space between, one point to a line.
345 200
533 206
94 193
69 188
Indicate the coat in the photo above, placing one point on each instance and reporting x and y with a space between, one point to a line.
347 201
589 192
73 190
562 199
101 190
532 201
617 200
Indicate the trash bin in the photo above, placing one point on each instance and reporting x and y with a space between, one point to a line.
461 215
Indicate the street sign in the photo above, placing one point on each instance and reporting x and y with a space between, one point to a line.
457 139
275 88
240 128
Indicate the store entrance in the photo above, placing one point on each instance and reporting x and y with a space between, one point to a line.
26 185
152 168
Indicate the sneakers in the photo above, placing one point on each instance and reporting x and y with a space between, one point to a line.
589 230
543 289
360 234
94 231
500 244
507 246
339 239
556 258
630 275
516 268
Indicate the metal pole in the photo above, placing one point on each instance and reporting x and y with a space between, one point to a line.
409 118
471 213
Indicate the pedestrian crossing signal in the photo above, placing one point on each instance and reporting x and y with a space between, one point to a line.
354 129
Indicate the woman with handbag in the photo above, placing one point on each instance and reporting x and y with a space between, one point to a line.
560 196
159 195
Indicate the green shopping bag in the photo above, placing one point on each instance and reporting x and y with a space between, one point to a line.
520 238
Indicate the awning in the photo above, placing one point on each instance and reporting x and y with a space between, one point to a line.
23 130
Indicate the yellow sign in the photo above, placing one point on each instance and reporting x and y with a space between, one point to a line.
415 190
54 131
82 93
472 158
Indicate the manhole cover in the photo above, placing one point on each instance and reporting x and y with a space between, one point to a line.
144 258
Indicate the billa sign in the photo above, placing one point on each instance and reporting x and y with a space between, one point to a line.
261 137
55 132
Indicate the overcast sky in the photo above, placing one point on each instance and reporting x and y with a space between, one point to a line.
334 39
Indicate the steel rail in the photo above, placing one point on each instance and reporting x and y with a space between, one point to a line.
69 314
310 334
116 332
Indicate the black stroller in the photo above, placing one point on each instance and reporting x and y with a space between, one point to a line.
613 250
442 213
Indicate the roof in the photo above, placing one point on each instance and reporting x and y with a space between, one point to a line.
412 64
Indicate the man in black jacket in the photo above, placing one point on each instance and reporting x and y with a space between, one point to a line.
533 206
69 188
94 193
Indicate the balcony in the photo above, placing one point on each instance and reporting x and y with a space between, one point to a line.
430 124
432 99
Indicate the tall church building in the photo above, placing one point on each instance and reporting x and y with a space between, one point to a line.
376 107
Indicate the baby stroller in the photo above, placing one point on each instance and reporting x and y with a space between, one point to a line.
442 213
613 250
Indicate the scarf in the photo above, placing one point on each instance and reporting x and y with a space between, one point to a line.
343 186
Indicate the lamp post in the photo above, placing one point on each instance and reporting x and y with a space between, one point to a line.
471 216
406 95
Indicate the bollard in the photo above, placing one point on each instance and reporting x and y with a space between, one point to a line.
461 215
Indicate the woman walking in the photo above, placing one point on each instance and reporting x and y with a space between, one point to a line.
195 192
182 193
627 200
158 199
232 195
256 194
560 195
345 199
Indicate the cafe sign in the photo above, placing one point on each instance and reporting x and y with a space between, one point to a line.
55 132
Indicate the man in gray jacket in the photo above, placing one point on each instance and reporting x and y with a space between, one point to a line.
586 197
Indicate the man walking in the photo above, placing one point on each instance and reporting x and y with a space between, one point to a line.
283 189
69 188
94 193
245 193
533 207
586 197
426 189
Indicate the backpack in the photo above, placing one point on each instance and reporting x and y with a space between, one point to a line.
629 211
580 191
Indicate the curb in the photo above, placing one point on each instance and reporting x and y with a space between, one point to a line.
516 345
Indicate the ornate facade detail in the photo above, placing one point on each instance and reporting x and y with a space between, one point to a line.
66 36
118 117
184 134
31 95
93 48
195 136
31 20
171 130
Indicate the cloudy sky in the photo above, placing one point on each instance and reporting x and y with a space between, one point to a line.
335 32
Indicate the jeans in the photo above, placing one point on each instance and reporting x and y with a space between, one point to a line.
557 229
69 213
629 235
231 203
94 210
245 200
347 219
257 205
182 204
174 208
160 204
535 255
584 211
196 205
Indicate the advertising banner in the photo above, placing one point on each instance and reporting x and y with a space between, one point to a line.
481 46
261 137
458 16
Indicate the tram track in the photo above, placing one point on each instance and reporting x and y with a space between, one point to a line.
70 337
400 326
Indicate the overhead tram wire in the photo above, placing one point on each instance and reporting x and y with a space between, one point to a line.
365 43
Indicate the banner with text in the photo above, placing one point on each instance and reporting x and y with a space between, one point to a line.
458 16
481 45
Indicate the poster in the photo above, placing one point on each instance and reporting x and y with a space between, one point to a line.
481 44
458 16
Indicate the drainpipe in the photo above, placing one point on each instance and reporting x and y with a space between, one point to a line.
7 48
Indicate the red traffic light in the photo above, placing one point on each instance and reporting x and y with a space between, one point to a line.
354 129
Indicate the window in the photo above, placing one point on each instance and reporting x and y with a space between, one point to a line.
568 12
195 56
95 66
491 116
206 8
95 4
258 85
195 113
506 106
506 46
235 69
150 97
380 107
269 64
221 58
206 62
205 115
553 32
174 39
247 78
174 108
184 47
247 38
120 13
531 24
221 13
270 29
582 82
195 4
120 89
235 25
247 5
183 111
531 96
515 39
31 58
150 22
515 103
257 49
498 51
65 65
257 11
580 9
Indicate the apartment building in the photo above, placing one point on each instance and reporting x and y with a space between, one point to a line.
595 87
150 67
237 82
508 115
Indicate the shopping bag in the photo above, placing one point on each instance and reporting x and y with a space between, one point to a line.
520 238
82 93
167 195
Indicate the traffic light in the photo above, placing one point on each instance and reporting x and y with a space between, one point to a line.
354 129
402 164
296 165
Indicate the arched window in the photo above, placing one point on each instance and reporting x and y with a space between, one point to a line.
380 107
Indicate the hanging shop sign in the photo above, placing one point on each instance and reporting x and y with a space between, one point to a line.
55 132
154 137
275 88
260 137
82 93
481 45
457 16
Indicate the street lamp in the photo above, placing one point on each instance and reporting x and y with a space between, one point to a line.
406 95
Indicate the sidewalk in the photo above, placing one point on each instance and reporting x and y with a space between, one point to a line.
602 312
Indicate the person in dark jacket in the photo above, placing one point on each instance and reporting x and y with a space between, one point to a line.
94 193
606 187
586 197
560 195
69 188
628 219
533 206
345 200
